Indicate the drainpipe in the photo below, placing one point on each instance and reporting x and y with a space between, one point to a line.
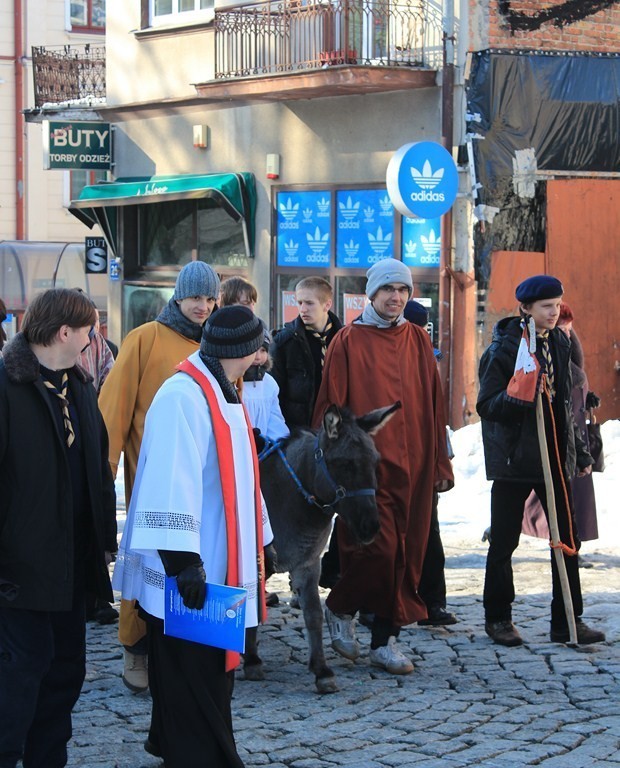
18 48
445 265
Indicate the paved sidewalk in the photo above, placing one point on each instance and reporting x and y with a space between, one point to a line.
468 702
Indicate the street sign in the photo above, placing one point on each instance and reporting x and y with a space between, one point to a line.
96 256
77 145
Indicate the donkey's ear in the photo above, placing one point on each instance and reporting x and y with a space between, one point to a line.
332 420
375 420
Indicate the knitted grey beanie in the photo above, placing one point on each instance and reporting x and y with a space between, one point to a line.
232 332
387 271
197 279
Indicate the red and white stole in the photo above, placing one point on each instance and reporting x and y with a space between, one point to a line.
223 443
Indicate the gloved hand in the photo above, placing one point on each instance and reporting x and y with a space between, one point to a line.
592 401
191 583
259 440
271 560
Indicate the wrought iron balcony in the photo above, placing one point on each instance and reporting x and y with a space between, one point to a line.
267 38
69 73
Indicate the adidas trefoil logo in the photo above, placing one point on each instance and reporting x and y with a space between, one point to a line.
380 243
307 213
349 210
386 205
291 248
351 249
369 213
410 248
427 179
317 242
431 244
323 205
288 210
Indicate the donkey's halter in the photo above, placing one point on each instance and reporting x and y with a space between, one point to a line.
319 458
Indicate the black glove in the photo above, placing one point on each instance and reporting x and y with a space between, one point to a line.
259 440
592 401
271 560
192 587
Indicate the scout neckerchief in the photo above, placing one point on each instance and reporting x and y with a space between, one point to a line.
62 396
322 338
546 355
223 444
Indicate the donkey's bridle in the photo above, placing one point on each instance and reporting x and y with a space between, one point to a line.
319 457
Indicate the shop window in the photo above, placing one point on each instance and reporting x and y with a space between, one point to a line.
80 178
179 11
141 304
87 15
174 233
338 233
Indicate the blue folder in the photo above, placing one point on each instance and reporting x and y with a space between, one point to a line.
220 622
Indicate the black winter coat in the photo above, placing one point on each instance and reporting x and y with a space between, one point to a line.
294 370
509 434
36 503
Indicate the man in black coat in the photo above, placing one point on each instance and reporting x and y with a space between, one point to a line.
513 460
57 525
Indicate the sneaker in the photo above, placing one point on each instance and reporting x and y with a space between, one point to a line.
438 617
272 599
390 658
342 632
585 634
135 674
503 633
106 614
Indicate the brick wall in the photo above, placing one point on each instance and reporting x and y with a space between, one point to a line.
587 25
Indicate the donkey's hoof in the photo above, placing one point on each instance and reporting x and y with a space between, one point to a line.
326 685
254 672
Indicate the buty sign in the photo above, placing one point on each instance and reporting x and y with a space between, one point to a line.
77 146
422 180
96 255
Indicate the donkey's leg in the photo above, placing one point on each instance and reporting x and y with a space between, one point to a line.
252 663
306 582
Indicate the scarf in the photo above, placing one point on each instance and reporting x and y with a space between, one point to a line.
322 339
370 316
172 317
548 360
61 394
228 388
255 373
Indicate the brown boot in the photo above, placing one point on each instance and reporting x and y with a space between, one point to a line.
503 633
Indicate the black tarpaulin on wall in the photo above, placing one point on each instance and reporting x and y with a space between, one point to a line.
564 106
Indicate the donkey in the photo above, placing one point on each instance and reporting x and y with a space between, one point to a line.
330 471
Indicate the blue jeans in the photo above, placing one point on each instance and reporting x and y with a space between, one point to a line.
42 668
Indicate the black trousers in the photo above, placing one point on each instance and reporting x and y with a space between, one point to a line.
432 587
42 668
191 721
507 505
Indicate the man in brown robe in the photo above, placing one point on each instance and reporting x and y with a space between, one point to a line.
377 360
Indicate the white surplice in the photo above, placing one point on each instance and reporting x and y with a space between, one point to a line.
177 501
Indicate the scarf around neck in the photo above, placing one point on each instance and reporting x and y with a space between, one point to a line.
370 316
228 388
172 317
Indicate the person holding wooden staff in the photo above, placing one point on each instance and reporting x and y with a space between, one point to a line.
528 363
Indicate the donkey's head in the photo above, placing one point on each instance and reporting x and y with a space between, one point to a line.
347 466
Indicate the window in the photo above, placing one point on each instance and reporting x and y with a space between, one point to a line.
87 15
79 179
179 11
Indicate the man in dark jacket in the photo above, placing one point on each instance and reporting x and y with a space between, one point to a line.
513 459
57 525
298 350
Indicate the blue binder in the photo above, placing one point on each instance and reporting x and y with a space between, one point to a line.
220 623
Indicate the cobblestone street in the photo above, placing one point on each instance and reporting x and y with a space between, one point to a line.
468 702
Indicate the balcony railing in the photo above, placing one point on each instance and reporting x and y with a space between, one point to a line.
270 37
69 73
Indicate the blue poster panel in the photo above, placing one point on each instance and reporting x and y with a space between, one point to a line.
364 227
304 229
421 242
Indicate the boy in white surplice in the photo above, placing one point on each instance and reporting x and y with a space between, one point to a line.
196 514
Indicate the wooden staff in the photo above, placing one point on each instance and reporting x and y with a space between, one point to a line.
553 521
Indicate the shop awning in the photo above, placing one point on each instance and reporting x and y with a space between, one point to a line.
99 203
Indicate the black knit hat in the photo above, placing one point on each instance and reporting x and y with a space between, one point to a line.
231 332
416 313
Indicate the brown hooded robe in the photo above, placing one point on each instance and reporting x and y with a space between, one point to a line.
368 367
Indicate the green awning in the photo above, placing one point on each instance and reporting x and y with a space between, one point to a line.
234 192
